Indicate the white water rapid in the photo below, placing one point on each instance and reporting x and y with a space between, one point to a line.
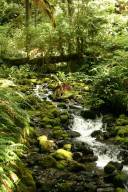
105 152
42 92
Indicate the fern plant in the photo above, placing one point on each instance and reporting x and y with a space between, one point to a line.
13 122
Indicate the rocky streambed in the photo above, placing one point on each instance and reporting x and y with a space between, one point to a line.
68 152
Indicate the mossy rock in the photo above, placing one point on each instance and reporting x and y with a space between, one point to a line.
75 166
32 100
120 179
24 82
112 166
62 164
62 105
47 162
59 134
23 88
66 186
55 112
45 144
47 120
122 120
73 134
123 131
64 118
67 146
120 190
121 140
33 81
63 154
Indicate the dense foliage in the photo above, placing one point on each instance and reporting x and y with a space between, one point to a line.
84 44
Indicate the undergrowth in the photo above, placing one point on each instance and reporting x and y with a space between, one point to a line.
14 123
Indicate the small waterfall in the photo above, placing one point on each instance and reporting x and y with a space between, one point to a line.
104 152
43 92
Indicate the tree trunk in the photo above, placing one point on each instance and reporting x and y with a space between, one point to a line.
27 22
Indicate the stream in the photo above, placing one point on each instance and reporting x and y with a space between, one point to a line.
104 152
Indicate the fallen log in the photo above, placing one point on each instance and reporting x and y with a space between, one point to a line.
41 60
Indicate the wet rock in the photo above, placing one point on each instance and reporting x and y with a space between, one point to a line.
113 166
77 156
83 152
109 119
98 134
73 134
87 114
124 156
79 146
89 158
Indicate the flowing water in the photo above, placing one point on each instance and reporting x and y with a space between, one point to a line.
104 152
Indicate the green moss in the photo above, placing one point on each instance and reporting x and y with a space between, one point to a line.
45 144
59 134
120 179
62 165
26 183
120 190
123 131
64 118
63 154
67 147
75 166
65 187
122 120
121 140
23 88
48 162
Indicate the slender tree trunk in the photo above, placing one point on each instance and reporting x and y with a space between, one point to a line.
70 14
27 22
